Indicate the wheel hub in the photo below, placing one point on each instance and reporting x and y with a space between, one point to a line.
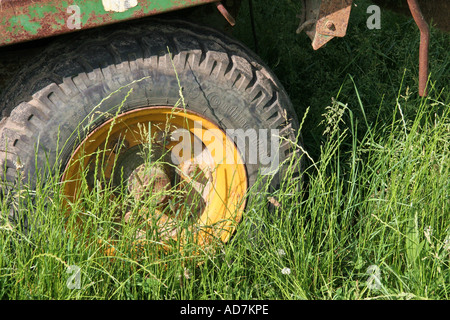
149 182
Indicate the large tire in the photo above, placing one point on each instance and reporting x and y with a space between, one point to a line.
220 78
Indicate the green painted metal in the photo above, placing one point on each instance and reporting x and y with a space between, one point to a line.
23 20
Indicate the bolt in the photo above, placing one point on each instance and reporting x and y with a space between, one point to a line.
330 26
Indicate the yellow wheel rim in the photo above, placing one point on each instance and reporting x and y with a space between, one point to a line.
199 160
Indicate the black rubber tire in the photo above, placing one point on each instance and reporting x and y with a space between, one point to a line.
221 79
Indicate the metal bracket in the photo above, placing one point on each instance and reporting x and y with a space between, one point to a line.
324 20
424 45
226 14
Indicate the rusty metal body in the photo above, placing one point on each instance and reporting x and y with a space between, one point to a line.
23 20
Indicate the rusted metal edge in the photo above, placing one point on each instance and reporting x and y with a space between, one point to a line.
324 20
23 20
226 14
424 46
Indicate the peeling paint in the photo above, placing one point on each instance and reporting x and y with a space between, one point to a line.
119 5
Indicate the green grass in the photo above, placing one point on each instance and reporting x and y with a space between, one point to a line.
375 193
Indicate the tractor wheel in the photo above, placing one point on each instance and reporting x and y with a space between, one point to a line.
199 102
